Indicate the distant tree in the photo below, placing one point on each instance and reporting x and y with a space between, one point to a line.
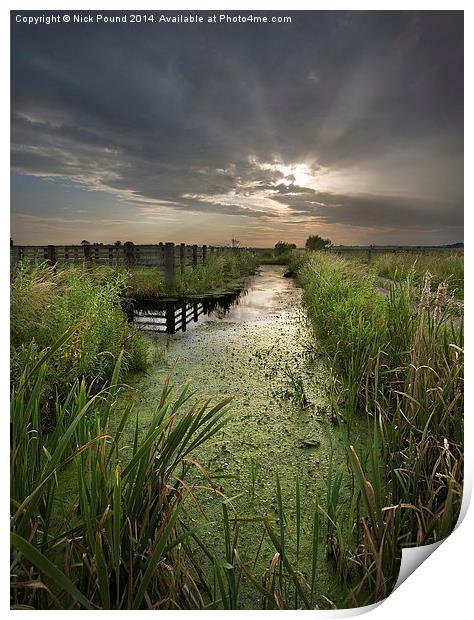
282 247
118 243
315 242
234 242
85 242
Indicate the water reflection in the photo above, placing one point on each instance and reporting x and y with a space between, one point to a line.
176 315
254 303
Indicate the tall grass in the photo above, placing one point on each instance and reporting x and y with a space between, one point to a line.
272 258
221 271
46 303
347 316
444 266
401 363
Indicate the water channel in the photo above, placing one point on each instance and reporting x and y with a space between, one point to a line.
260 350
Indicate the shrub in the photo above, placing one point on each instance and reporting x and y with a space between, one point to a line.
315 242
282 247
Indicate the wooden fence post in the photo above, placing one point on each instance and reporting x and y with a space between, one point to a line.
169 265
128 254
182 256
161 254
195 256
369 253
183 317
87 255
16 253
51 255
170 318
130 311
204 254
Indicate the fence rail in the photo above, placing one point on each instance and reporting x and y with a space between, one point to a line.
370 250
171 258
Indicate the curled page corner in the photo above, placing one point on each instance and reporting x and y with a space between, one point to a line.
413 557
354 611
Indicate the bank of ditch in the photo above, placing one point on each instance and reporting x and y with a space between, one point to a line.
398 358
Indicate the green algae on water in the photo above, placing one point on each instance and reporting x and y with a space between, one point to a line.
262 353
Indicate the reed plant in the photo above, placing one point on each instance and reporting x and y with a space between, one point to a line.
127 541
121 548
282 584
402 366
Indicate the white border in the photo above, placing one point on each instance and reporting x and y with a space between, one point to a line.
442 586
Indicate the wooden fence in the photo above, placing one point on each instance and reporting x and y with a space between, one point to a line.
167 256
370 250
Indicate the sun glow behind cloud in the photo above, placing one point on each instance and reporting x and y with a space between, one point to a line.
313 175
298 173
269 181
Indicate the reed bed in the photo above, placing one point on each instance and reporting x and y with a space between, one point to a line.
400 363
272 258
443 265
122 546
128 542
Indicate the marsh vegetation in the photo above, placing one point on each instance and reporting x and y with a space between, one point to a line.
221 272
253 486
398 360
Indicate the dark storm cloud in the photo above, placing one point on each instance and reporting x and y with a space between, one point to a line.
182 114
394 212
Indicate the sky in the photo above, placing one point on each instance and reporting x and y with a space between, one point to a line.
348 125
